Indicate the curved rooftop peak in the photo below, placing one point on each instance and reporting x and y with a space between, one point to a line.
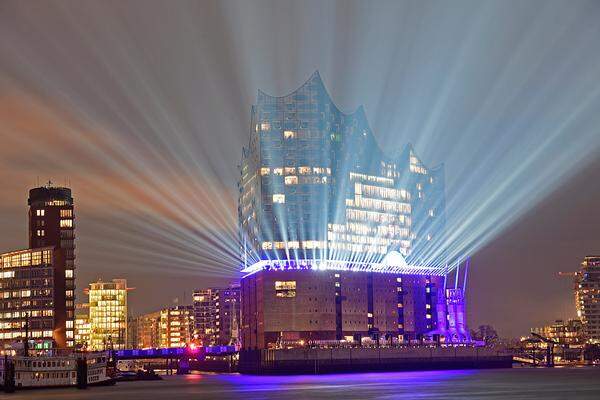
315 78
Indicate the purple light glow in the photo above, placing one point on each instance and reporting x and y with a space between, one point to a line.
372 380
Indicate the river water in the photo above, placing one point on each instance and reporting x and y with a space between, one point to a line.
518 383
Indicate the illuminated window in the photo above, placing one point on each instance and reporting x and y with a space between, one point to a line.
66 223
40 213
304 170
265 171
431 213
285 288
277 171
265 126
279 198
312 244
267 245
66 213
40 232
291 180
289 134
56 203
47 257
418 170
36 258
290 170
68 273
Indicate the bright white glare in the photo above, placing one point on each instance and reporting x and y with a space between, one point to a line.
145 108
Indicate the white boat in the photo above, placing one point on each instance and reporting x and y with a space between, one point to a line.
56 371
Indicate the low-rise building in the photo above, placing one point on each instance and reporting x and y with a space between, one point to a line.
565 333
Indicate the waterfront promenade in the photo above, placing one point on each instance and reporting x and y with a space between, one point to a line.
517 383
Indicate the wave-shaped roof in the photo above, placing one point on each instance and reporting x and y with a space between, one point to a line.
315 82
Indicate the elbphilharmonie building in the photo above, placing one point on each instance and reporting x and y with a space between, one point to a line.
326 214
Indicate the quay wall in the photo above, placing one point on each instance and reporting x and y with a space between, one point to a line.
333 360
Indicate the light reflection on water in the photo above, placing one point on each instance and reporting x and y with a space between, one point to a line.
582 383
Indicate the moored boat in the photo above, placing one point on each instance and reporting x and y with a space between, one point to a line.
55 371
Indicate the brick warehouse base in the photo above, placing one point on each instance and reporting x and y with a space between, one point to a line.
292 307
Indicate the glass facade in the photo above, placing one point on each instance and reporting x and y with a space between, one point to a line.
108 315
315 184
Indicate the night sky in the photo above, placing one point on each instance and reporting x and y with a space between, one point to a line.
143 107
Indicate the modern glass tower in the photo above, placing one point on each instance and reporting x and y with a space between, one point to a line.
315 184
340 240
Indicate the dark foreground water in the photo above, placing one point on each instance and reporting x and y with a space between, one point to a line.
576 383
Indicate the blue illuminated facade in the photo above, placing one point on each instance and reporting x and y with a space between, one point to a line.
315 184
339 240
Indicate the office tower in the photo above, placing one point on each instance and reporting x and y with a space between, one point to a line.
176 326
587 297
315 184
338 238
217 315
108 314
31 282
37 284
51 223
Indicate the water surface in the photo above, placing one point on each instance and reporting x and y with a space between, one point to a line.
558 383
